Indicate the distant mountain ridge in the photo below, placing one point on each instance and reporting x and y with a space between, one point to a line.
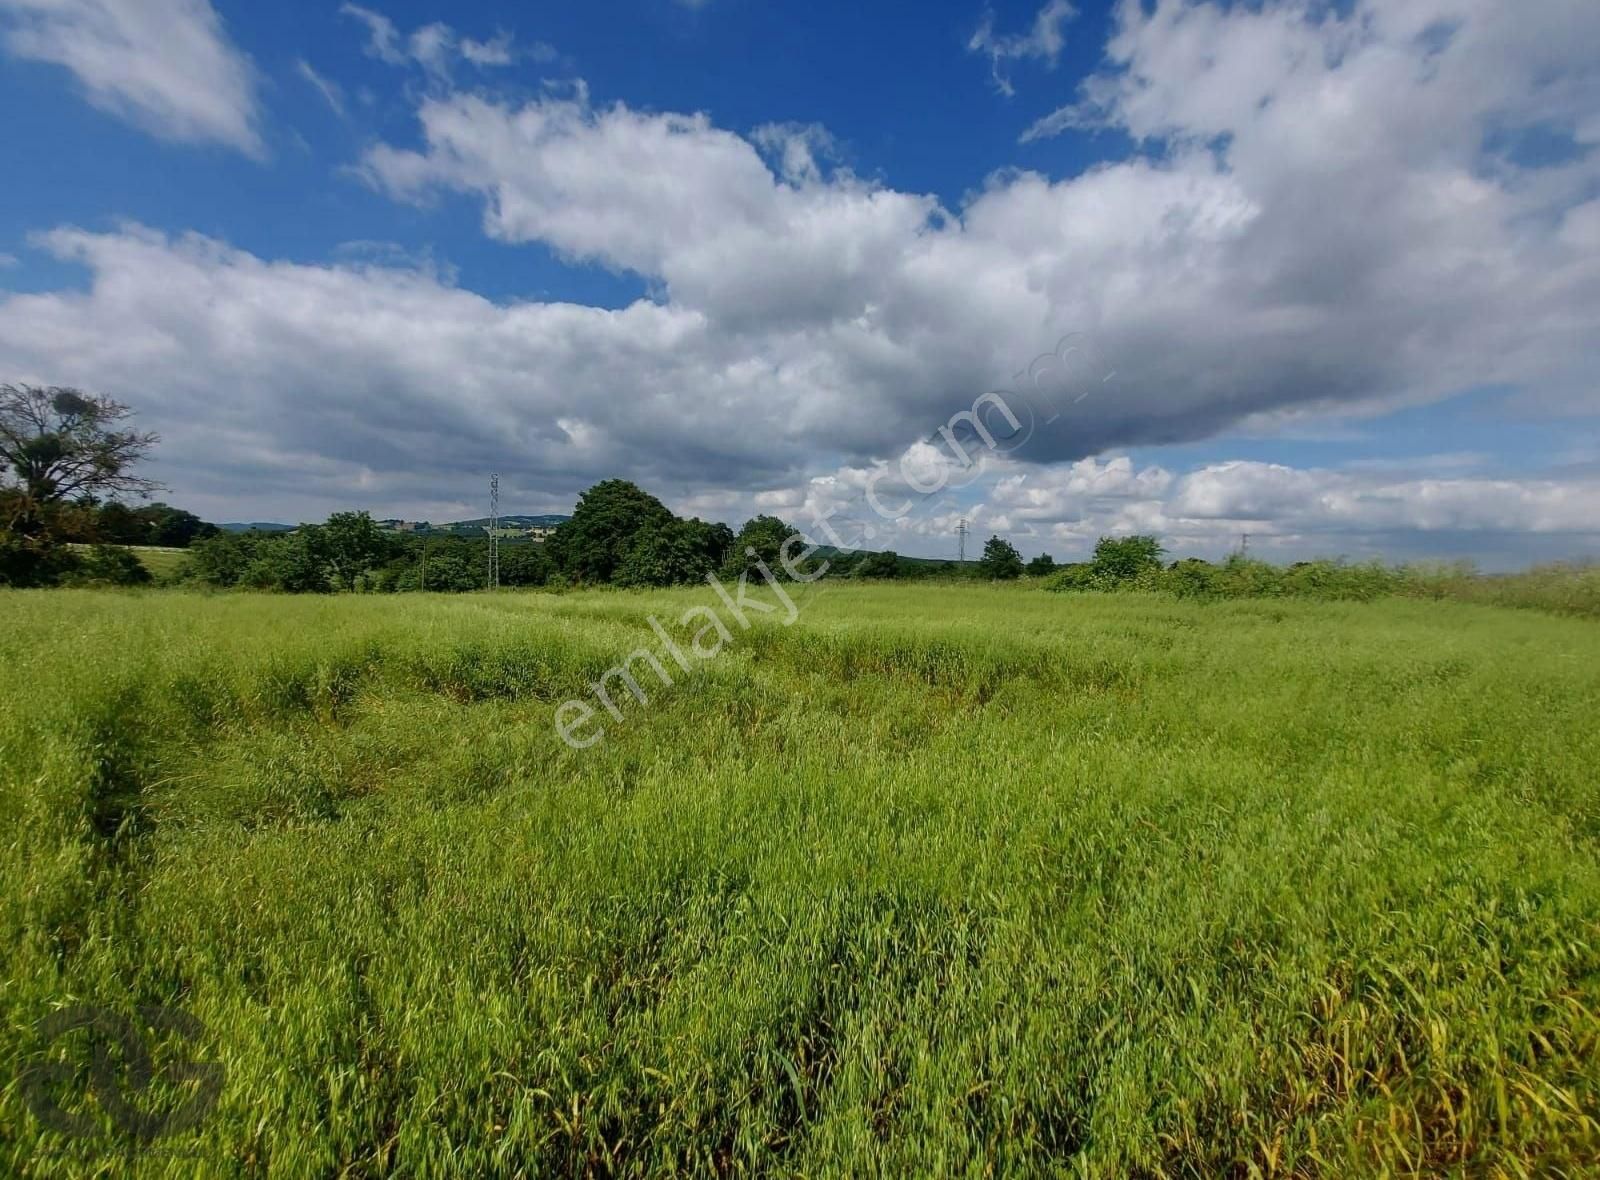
547 520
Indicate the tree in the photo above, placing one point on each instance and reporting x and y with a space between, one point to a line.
173 527
351 543
30 561
1000 559
524 565
117 524
766 535
1122 559
110 565
448 573
292 562
683 551
59 444
1041 565
879 565
223 559
593 544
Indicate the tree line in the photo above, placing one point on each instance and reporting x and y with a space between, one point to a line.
67 459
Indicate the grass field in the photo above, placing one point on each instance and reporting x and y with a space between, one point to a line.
939 880
160 561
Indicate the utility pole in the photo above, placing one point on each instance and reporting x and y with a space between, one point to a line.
961 534
494 531
424 562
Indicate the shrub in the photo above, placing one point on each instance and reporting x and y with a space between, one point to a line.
109 565
1122 559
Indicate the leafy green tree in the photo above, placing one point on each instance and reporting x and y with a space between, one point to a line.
450 573
608 519
1000 559
682 551
524 564
351 543
766 535
117 523
1193 577
710 542
879 565
173 527
1041 565
295 563
31 560
223 559
1122 559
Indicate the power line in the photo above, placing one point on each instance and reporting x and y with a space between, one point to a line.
494 532
961 533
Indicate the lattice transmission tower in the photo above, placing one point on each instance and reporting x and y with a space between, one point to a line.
961 535
494 531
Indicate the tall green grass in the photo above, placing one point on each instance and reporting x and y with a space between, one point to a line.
1563 588
955 880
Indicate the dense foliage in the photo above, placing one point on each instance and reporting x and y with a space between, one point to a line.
116 523
1000 559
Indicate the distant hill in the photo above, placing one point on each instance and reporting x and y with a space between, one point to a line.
548 521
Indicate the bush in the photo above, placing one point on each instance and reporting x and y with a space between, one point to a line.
1040 566
878 565
1562 588
34 561
1122 559
109 565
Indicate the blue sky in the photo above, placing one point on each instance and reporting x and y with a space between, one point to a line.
1337 262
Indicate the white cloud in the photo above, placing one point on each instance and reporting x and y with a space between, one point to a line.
295 380
165 65
383 39
436 47
1224 290
1288 512
1043 41
1323 229
329 89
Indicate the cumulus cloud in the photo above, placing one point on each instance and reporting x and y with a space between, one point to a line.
388 381
1292 512
1044 41
166 66
1353 242
1332 223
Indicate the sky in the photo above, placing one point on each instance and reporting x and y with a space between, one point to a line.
1322 272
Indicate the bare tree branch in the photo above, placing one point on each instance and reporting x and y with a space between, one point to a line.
58 443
